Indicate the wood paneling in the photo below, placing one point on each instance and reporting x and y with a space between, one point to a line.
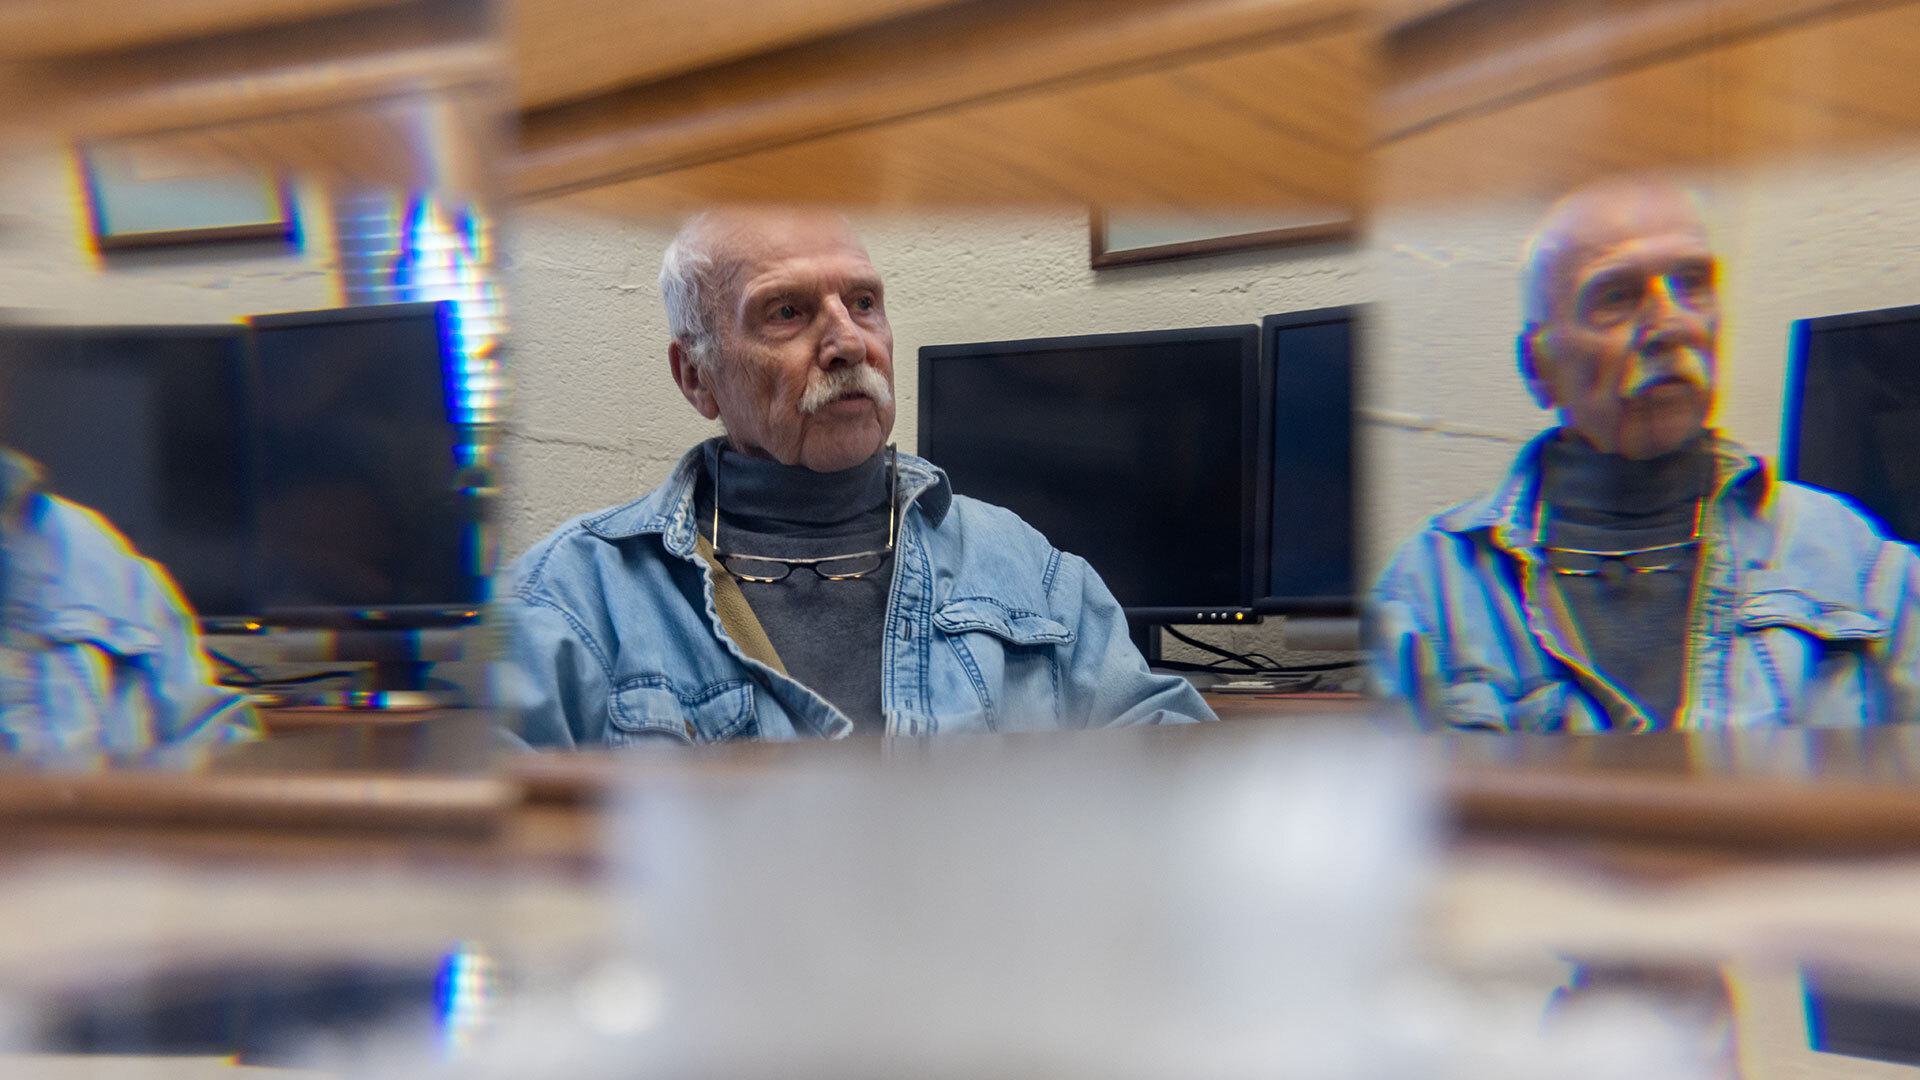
936 64
41 28
565 50
1691 85
284 71
1279 126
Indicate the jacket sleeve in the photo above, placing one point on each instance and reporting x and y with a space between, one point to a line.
1403 667
1104 681
178 694
1895 581
553 684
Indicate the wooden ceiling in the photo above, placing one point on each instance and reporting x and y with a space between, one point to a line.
572 50
1488 105
340 89
1185 136
640 106
984 100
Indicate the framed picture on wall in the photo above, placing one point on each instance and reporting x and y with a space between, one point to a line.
137 199
1129 238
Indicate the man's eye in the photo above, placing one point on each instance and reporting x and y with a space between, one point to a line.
1612 298
787 311
1693 282
864 303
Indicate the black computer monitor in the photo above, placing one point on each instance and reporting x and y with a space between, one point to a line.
366 510
148 427
1312 479
1138 452
1853 412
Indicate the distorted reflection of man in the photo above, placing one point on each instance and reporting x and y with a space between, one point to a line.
1637 570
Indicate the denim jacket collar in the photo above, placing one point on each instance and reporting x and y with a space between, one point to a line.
667 510
1508 511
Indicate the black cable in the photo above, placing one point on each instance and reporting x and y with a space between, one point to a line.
251 679
1337 665
318 676
1248 660
234 664
1210 648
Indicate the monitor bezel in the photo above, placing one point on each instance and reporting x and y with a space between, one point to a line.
1798 339
1246 335
384 616
1308 606
239 339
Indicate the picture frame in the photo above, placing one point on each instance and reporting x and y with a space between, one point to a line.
1133 239
139 201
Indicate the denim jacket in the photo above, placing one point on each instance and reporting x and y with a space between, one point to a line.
99 655
614 638
1802 613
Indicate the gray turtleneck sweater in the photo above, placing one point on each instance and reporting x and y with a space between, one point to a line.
828 633
1634 625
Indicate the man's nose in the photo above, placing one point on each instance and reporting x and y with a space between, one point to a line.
1667 318
841 343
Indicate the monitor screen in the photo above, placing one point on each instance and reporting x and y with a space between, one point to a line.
1310 364
363 510
1137 452
147 427
1853 412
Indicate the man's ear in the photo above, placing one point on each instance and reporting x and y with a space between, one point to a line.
692 380
1531 351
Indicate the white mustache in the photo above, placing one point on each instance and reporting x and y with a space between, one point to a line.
1684 363
833 385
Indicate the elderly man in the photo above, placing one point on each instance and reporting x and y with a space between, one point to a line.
1637 571
797 577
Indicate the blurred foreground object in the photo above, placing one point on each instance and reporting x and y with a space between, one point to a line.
1219 907
1102 904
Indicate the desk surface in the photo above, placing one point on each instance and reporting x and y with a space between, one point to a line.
1678 848
1677 799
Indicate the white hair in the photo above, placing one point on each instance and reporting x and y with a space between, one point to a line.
689 275
1542 254
1547 247
693 276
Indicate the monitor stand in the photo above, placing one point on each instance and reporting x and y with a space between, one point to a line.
398 661
393 684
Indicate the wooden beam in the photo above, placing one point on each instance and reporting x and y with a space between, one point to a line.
277 71
568 50
1281 127
946 58
46 28
1842 83
1445 62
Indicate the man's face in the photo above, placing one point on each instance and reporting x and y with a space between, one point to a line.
802 369
1628 352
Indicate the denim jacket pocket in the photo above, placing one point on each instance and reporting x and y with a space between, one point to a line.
1807 656
649 709
90 657
1012 625
1482 706
88 626
1009 657
1829 620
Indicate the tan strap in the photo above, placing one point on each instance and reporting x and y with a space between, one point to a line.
736 614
